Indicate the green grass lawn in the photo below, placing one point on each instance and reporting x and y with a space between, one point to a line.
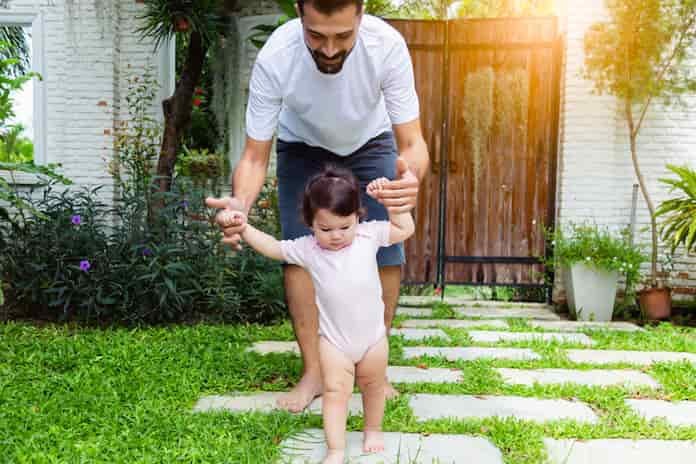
125 395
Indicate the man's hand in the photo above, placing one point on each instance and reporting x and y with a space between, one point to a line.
231 218
400 195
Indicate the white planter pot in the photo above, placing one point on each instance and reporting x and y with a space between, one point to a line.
568 286
594 292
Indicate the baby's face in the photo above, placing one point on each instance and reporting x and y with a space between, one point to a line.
334 232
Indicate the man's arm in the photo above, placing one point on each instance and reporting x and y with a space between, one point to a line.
412 147
251 172
400 195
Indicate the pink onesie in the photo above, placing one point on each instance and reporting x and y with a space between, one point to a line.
347 286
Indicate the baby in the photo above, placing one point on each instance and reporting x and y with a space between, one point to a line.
341 259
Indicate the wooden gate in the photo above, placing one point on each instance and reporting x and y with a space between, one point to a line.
489 96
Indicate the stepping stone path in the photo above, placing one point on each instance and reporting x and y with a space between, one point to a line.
471 353
426 407
495 337
275 347
455 323
262 402
574 326
419 334
644 358
415 448
414 312
502 313
597 377
407 374
309 447
615 451
675 413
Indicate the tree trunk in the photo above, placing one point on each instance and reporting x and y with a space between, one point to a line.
177 111
646 195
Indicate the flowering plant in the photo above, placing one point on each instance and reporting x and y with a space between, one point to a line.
597 247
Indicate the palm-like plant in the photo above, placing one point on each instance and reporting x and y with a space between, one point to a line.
198 23
679 224
16 47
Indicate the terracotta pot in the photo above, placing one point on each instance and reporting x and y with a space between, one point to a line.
656 303
181 24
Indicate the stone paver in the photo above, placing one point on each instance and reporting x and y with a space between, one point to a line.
485 336
426 407
455 323
412 448
633 357
675 413
430 300
615 451
408 374
502 313
596 377
574 326
414 312
267 347
471 353
261 402
419 334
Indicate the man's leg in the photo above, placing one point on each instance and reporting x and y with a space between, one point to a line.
391 285
299 293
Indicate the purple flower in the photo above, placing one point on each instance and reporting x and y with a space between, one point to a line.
85 265
146 252
76 219
184 204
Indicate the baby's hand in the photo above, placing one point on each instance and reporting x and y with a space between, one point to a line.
376 186
231 218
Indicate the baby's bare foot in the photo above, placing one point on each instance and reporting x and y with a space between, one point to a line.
373 441
334 457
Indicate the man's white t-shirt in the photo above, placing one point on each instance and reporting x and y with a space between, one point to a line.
338 112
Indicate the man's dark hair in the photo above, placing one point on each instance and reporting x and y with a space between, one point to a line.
335 189
329 7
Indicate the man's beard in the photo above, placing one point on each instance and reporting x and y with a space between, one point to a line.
329 65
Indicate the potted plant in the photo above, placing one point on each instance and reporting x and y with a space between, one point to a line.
677 228
638 56
592 259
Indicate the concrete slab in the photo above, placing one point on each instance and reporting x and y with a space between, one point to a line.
675 413
502 313
414 312
261 402
426 407
612 451
419 334
267 347
309 448
643 358
455 323
485 336
471 353
595 377
574 326
408 374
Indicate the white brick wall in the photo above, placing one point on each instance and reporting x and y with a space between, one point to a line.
88 44
595 177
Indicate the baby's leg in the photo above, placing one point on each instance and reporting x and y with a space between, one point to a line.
338 375
371 378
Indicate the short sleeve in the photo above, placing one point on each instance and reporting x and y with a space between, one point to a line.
378 231
399 84
296 251
264 104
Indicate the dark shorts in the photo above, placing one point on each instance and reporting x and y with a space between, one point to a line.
297 162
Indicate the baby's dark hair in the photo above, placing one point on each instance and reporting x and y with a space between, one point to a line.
335 189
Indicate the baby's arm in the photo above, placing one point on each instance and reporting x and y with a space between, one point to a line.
258 240
402 225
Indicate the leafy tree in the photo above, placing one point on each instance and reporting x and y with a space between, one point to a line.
639 56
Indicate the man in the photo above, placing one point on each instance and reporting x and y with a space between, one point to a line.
339 86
